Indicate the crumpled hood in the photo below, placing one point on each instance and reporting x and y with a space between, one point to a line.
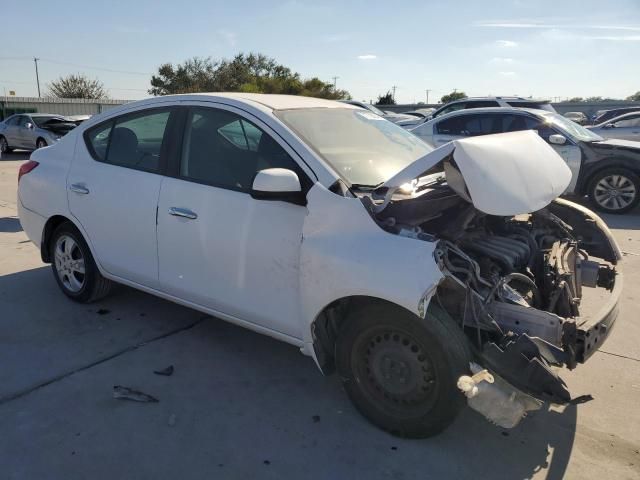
504 174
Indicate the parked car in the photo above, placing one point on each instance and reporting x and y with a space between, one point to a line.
421 112
604 170
578 117
626 127
484 102
392 117
604 115
414 273
30 131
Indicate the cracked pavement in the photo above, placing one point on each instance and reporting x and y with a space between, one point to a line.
241 405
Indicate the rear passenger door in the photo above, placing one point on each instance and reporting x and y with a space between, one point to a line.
113 188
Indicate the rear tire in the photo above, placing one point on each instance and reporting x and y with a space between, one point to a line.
614 190
400 371
74 267
4 145
41 143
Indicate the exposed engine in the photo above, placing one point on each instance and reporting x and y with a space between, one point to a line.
515 284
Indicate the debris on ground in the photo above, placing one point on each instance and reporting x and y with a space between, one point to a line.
103 311
316 418
126 393
581 399
267 462
167 372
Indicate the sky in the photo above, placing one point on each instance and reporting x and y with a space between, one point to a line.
537 48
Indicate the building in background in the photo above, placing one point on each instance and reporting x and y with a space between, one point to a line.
60 106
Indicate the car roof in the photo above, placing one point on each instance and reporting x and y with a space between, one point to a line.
43 114
511 99
270 101
471 111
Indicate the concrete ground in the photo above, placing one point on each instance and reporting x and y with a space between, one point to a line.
241 405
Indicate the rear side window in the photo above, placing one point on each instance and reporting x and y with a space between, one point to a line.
224 150
469 125
132 141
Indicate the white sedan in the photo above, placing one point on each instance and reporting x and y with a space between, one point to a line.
412 272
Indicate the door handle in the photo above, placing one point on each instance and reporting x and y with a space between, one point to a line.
182 212
78 188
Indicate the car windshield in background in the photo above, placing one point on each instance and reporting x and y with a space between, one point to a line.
362 147
574 130
43 121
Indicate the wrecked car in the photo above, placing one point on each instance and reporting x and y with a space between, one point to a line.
426 279
31 131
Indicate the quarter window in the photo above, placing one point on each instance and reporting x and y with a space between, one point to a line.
628 122
225 150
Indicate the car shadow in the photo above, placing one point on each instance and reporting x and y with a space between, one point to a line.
238 386
10 225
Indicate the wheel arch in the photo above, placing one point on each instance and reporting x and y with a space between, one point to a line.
583 187
50 226
327 325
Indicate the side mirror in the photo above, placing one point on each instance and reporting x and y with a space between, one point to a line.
28 125
556 139
278 184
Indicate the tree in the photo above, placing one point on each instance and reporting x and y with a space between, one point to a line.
386 99
453 96
77 86
575 100
635 97
255 73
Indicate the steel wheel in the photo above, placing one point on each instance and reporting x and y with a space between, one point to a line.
394 368
40 143
614 192
69 263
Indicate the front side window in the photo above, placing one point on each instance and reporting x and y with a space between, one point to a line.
632 121
24 120
222 149
132 141
450 126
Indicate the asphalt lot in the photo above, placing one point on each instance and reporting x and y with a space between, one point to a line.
241 405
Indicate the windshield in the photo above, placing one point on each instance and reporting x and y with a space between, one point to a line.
575 131
362 147
41 121
371 108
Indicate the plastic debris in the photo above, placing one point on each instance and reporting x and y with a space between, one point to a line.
167 372
126 393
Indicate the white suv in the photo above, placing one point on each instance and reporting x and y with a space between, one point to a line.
484 102
404 268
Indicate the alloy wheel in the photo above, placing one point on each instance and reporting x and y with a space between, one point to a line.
614 192
70 265
3 145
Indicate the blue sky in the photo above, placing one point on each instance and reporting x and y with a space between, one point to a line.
536 47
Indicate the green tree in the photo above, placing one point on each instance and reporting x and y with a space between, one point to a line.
77 86
453 96
386 99
635 97
254 73
575 100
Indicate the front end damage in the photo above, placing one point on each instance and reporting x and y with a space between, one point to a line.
516 284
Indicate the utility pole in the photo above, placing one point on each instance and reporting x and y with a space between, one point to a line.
394 93
427 90
334 82
35 60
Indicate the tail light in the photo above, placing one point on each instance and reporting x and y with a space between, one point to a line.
26 167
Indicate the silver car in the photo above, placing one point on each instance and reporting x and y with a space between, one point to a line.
31 131
624 127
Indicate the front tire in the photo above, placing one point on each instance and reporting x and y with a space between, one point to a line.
41 143
614 190
74 267
400 371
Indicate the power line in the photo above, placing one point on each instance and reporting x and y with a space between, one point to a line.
80 65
